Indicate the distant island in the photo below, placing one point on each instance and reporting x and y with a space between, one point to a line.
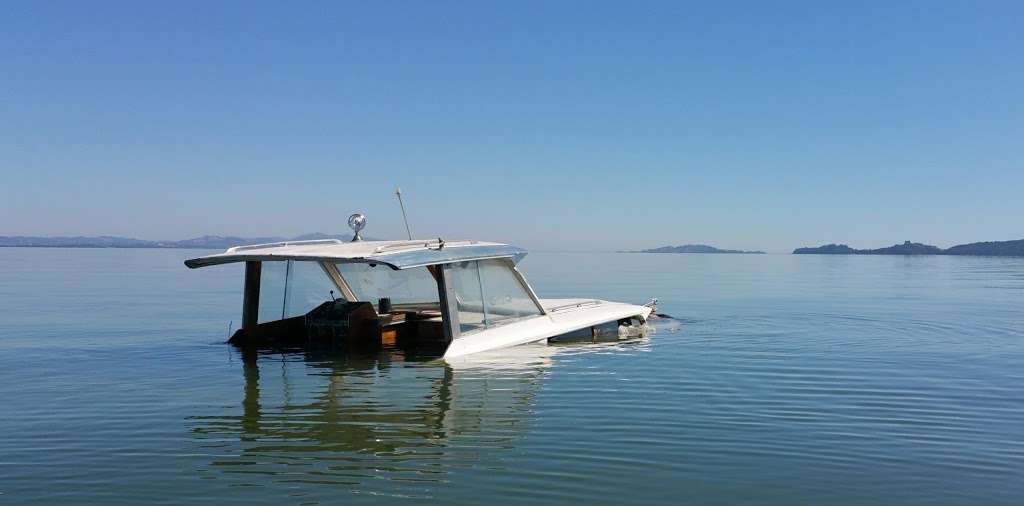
204 242
991 248
695 248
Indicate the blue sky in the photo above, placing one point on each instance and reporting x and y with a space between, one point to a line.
560 125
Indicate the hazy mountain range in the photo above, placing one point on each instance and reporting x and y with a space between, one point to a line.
991 248
204 242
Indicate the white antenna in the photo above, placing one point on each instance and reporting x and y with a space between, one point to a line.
398 192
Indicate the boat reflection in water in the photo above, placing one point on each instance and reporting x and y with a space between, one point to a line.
386 423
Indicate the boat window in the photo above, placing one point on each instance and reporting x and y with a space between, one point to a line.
469 297
489 293
371 282
272 278
308 286
292 288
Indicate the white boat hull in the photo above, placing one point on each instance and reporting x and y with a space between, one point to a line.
563 315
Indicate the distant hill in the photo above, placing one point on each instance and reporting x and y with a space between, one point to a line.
828 249
204 242
993 248
695 248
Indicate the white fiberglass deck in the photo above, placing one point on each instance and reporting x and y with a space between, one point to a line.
561 316
396 254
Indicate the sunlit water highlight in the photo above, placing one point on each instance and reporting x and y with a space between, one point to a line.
792 379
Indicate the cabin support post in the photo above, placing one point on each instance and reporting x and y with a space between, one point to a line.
251 296
449 303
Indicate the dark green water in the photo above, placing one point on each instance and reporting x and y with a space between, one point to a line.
793 380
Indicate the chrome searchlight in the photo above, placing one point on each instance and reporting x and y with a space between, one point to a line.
356 222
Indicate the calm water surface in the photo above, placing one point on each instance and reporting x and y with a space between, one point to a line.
792 379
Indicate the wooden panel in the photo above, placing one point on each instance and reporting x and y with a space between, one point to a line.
251 295
389 336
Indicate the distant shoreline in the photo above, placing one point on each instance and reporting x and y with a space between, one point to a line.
84 246
696 248
989 248
204 242
1014 248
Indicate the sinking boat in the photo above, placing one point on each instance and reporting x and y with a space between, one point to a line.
463 296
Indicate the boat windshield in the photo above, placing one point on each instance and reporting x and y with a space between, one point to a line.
292 288
411 288
490 293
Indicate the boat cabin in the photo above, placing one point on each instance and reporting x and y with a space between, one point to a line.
463 296
377 291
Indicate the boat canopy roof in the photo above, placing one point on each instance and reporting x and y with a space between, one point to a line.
395 254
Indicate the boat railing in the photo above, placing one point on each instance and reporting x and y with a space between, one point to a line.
248 247
415 245
573 305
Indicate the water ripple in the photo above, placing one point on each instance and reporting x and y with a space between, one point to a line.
788 380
